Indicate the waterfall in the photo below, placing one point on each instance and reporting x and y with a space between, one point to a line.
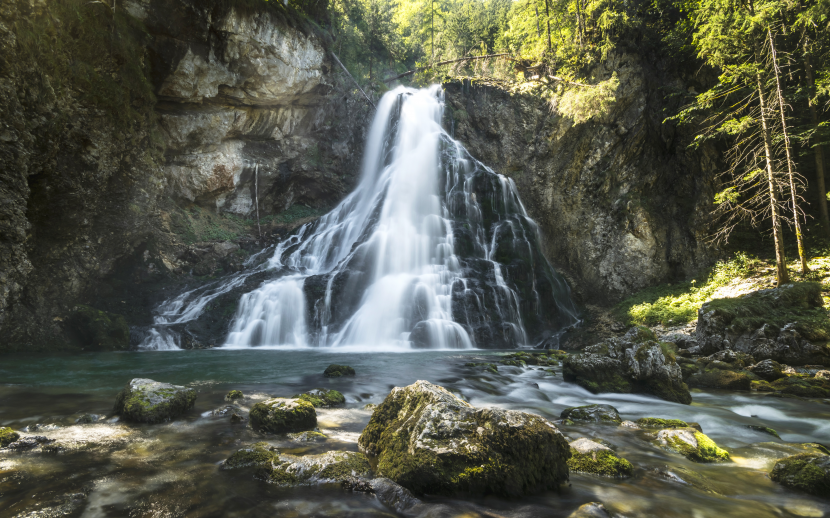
431 250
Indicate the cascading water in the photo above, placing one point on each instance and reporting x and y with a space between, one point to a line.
432 250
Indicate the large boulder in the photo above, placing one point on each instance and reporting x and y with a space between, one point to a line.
692 444
430 441
808 472
148 401
784 324
635 363
281 415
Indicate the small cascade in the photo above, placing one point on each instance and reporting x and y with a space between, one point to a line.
431 250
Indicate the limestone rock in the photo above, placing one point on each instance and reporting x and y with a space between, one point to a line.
806 472
280 415
430 441
692 444
592 414
634 363
148 401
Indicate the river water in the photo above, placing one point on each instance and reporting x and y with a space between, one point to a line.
172 469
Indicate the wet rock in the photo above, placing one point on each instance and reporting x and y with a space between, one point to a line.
489 367
806 472
655 422
802 386
96 329
233 395
310 436
592 414
635 363
392 495
370 406
26 443
322 398
65 505
631 425
591 510
716 378
431 441
785 324
685 476
90 418
336 371
236 418
280 415
769 370
692 444
148 401
763 429
259 454
329 467
7 436
591 457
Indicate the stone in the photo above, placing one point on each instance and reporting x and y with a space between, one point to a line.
715 378
769 370
100 330
808 472
591 510
631 425
392 495
823 374
281 415
322 398
685 476
591 457
692 444
655 422
763 429
233 395
592 414
310 436
147 401
802 385
336 371
7 436
89 419
430 441
635 363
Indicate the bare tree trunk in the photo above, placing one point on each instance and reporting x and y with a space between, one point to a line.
783 275
819 152
538 27
787 148
547 18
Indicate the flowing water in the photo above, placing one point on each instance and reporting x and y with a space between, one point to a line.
171 469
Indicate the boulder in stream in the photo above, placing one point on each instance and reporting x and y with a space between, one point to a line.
592 414
635 363
281 415
233 395
7 436
147 401
692 444
322 398
430 441
591 457
336 371
808 472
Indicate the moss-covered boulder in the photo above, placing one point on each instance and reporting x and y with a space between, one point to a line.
148 401
808 472
718 378
292 470
282 415
661 424
787 324
591 457
7 436
763 429
95 329
692 444
635 363
592 414
322 398
233 395
336 371
430 441
769 370
802 385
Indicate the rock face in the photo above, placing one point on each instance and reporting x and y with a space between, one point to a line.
621 201
636 363
148 401
775 324
806 472
280 415
692 444
430 441
105 197
95 329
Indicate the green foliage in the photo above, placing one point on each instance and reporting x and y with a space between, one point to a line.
581 104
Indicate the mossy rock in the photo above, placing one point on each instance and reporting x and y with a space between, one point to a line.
592 414
234 395
293 470
430 441
259 454
96 329
655 422
310 436
692 444
761 386
806 472
336 371
322 398
489 367
802 386
763 429
591 457
7 436
718 378
148 401
282 415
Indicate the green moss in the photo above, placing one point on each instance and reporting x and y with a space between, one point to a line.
489 367
762 386
352 465
7 436
260 454
706 451
336 371
763 429
149 405
806 472
602 462
321 398
802 386
278 474
283 415
233 395
720 379
655 422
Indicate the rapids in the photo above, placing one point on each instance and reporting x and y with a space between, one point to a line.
431 250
